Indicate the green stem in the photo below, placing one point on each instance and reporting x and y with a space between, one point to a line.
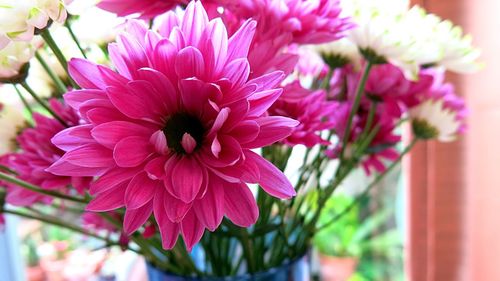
357 101
50 220
23 100
369 121
37 189
247 249
47 37
369 187
43 104
61 88
75 38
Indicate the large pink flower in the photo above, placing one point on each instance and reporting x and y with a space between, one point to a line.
171 133
145 8
37 153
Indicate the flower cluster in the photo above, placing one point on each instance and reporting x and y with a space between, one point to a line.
38 153
184 152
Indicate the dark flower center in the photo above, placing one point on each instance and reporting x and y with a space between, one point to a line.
180 124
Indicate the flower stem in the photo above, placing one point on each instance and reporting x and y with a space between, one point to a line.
23 100
369 187
61 88
37 189
51 220
43 104
357 101
75 38
47 37
247 249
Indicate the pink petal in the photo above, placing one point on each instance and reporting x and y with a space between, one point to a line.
136 218
141 190
272 180
188 143
192 230
272 130
194 22
164 57
239 205
64 168
86 74
77 97
109 134
169 231
109 200
239 43
237 72
112 178
176 209
187 179
190 63
159 141
73 137
268 81
260 102
215 50
132 151
90 155
156 168
210 208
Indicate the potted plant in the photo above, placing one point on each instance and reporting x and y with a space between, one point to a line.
351 238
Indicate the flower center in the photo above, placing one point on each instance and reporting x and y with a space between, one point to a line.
184 133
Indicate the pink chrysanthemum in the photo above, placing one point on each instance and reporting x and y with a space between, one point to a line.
171 133
310 108
38 153
97 222
144 8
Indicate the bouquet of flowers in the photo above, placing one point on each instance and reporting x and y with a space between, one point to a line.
172 140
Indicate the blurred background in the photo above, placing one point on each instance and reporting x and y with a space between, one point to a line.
433 219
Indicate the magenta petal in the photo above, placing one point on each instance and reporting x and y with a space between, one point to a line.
192 230
190 63
77 97
132 151
73 137
141 190
268 81
156 168
64 168
260 102
109 134
239 43
90 155
159 141
215 51
237 72
272 180
136 218
86 74
164 57
176 209
272 130
194 22
109 200
239 205
210 208
112 178
169 231
187 179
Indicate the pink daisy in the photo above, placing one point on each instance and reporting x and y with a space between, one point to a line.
37 153
171 132
310 108
144 8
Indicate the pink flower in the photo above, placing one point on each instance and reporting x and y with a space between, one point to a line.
97 222
145 8
172 132
38 153
310 108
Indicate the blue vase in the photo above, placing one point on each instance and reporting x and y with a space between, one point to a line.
297 270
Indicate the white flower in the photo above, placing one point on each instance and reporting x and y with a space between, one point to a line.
440 43
11 120
20 18
430 120
13 57
342 50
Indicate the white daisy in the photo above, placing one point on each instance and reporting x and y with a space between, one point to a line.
430 120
